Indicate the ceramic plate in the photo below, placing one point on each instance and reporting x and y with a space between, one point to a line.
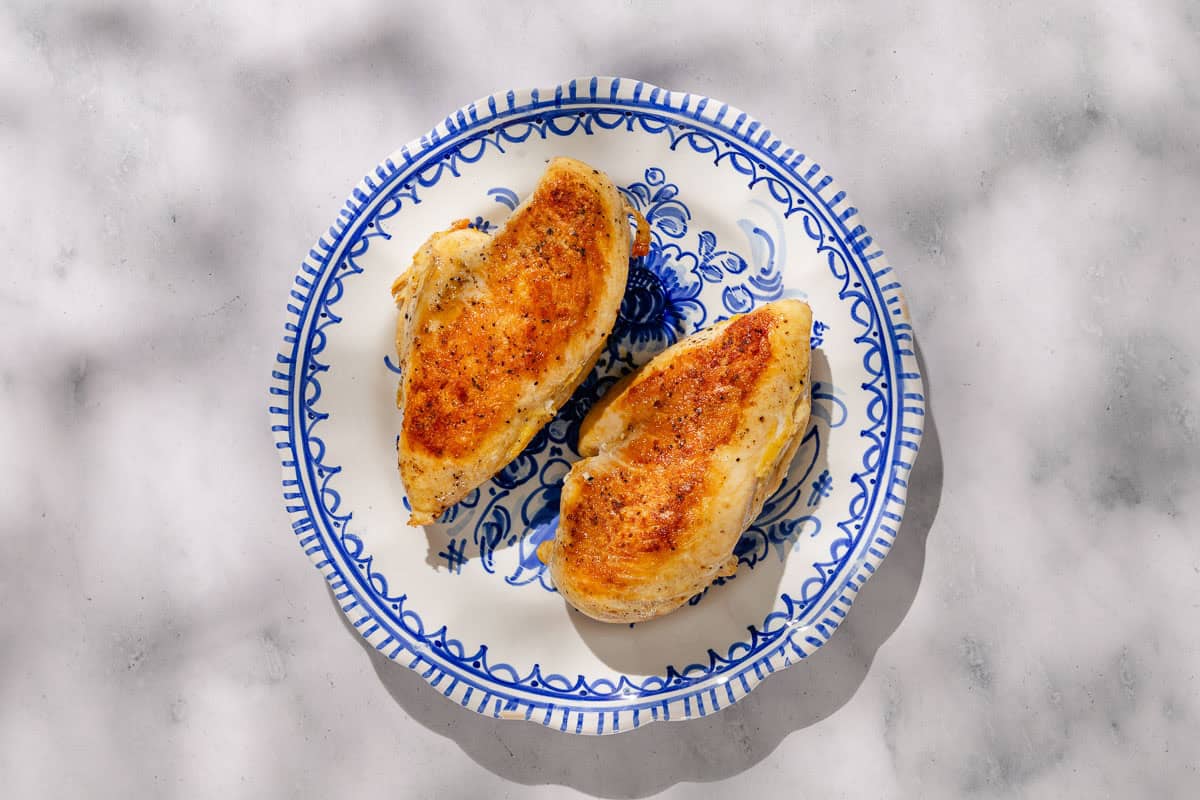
738 219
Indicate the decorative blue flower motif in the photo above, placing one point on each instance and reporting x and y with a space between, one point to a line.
481 224
706 265
660 303
655 198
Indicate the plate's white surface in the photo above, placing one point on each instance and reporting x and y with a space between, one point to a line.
738 219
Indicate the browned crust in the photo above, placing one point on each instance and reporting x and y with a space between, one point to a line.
545 271
628 519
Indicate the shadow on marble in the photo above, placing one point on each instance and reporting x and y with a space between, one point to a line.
650 759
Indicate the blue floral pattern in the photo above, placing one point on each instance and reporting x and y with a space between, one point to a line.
481 224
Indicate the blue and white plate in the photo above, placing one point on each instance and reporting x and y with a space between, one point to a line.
738 218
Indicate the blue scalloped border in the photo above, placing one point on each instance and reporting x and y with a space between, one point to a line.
703 125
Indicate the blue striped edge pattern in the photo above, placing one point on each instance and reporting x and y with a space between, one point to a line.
794 180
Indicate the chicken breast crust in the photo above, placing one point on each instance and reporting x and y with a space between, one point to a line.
495 332
679 459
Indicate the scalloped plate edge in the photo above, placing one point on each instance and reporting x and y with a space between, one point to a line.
800 641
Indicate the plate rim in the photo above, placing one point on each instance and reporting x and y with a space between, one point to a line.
590 715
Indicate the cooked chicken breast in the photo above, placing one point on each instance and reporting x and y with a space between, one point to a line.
495 332
679 459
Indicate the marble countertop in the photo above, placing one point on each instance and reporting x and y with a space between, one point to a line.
1033 173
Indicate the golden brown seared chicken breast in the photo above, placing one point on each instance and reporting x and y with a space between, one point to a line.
495 332
679 459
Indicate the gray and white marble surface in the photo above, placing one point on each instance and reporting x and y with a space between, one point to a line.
1033 172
